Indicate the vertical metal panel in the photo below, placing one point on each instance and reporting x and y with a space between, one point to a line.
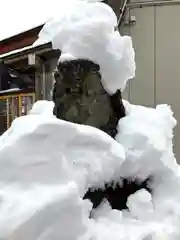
156 38
139 1
168 62
142 87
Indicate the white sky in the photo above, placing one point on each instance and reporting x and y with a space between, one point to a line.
20 15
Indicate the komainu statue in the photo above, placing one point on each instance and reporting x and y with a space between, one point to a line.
79 96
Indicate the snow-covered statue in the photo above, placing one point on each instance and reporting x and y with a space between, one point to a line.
79 97
91 71
64 172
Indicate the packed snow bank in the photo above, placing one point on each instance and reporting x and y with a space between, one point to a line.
46 166
39 137
42 212
146 135
152 150
86 30
40 156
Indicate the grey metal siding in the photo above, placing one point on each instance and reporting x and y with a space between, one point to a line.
156 39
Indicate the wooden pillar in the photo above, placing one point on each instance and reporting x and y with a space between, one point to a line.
40 75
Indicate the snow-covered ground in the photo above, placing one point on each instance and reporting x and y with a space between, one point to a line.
47 165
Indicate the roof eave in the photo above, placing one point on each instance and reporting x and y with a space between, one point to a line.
20 54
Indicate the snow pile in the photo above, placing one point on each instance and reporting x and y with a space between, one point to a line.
146 135
83 150
47 165
85 30
152 150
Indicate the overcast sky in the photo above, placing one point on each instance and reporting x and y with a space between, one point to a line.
17 16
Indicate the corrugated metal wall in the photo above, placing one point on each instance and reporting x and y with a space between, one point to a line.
156 38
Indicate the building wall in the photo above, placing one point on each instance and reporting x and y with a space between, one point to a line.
156 39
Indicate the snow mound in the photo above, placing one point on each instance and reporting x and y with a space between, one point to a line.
42 212
38 138
146 134
140 204
86 30
47 165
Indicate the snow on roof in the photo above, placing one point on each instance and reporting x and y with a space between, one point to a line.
20 16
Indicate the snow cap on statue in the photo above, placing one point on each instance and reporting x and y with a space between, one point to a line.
86 30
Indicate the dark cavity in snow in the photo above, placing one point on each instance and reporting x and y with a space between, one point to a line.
117 196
